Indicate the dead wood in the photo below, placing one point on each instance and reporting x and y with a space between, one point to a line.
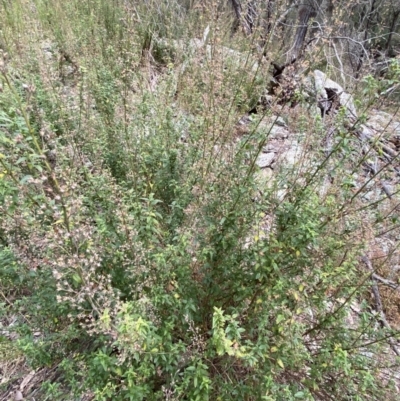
378 304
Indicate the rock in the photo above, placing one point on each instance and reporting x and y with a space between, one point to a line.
308 87
313 110
382 127
48 49
323 85
279 132
279 121
267 99
264 177
372 195
293 155
269 148
18 396
366 133
245 120
265 159
383 124
274 131
388 189
233 57
198 47
280 194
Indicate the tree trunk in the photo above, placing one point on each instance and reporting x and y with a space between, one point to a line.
370 16
240 20
392 29
306 12
251 16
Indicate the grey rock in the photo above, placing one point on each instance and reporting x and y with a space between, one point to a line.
269 148
273 131
279 132
265 160
196 46
264 178
18 396
366 133
48 49
293 155
381 123
280 122
245 120
323 83
372 195
388 189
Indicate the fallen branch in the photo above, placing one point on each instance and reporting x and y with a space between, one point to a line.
365 134
379 306
389 283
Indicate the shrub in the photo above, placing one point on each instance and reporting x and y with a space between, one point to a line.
143 258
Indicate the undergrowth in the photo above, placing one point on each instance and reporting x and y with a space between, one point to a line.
138 253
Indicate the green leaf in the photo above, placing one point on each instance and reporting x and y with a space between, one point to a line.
77 278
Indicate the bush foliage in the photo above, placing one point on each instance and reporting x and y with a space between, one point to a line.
138 252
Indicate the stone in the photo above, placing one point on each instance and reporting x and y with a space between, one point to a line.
48 49
279 121
265 159
264 178
383 124
366 133
388 189
233 57
324 84
269 148
372 195
273 131
18 396
194 46
308 87
293 155
279 132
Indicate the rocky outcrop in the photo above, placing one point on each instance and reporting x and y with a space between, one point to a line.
385 126
329 92
282 147
202 52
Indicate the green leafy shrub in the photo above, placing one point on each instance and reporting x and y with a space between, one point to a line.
143 258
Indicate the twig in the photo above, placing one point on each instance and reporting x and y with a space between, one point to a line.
339 61
378 304
387 282
6 299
